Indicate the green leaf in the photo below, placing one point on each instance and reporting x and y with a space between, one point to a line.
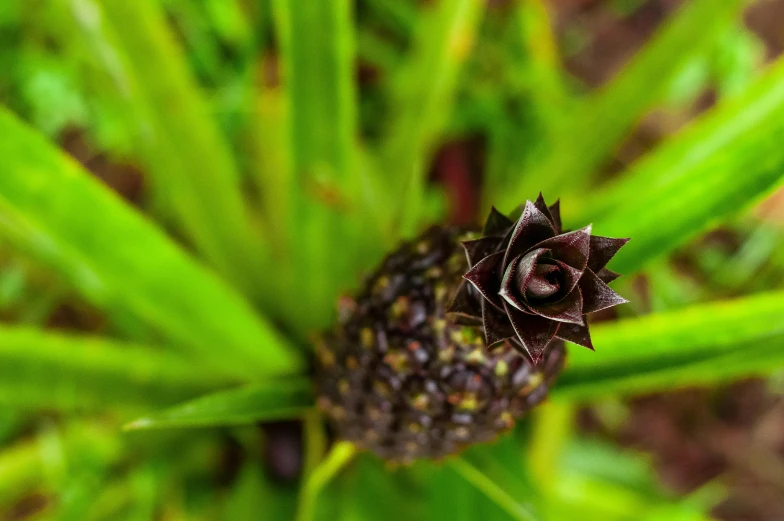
598 481
535 29
727 159
533 101
492 490
317 40
376 50
321 199
423 94
591 135
192 168
254 493
742 269
386 494
51 458
20 467
451 497
40 370
200 41
270 401
396 13
338 502
552 430
11 423
697 345
53 209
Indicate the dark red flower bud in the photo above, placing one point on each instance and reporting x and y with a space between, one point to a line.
529 282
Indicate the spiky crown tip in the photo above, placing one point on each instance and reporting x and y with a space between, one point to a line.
529 282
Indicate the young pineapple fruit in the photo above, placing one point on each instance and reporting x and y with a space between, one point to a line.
459 333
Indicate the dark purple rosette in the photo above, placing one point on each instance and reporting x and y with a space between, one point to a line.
530 283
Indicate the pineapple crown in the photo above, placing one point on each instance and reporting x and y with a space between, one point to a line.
529 282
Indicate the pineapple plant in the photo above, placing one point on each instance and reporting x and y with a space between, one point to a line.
275 312
448 345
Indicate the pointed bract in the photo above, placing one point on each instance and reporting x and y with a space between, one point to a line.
497 224
573 248
478 249
464 303
532 228
485 278
602 250
568 309
544 283
597 294
571 276
542 207
555 212
607 276
496 324
535 281
533 331
518 274
576 334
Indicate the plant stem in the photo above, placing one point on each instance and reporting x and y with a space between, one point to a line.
340 455
315 440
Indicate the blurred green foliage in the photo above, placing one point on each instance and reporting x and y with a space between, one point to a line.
285 146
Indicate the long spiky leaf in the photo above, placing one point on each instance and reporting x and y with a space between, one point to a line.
53 209
41 370
191 165
701 344
589 135
271 401
423 93
712 170
325 196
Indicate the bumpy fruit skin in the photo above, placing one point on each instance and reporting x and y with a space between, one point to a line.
402 378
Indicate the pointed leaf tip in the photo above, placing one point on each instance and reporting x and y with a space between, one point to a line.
140 423
483 277
602 250
555 212
576 334
532 228
573 248
533 331
463 303
596 294
497 223
497 327
541 205
478 249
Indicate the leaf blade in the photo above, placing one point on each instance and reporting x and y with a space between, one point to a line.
270 401
424 91
70 372
53 458
325 192
486 485
115 257
188 158
700 344
615 108
694 180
